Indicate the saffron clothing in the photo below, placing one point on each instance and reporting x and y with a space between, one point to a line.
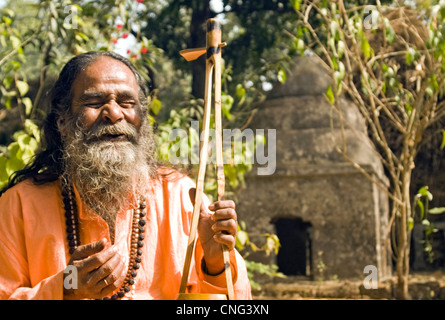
34 250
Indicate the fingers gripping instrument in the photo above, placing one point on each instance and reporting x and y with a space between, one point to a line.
213 65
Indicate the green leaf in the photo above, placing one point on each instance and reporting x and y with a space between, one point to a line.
15 65
226 105
341 72
331 44
155 106
408 108
9 12
437 210
15 161
340 49
281 75
334 29
366 48
8 81
8 102
22 139
429 91
411 56
22 86
295 4
410 223
80 37
433 82
422 209
389 31
7 21
80 49
32 129
330 95
3 40
28 105
242 238
54 25
230 173
240 91
272 243
423 191
53 10
299 45
15 41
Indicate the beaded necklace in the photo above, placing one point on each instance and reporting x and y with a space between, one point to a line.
137 236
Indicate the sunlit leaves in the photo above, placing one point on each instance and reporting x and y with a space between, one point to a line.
438 210
411 55
226 105
270 244
299 46
22 87
240 92
19 152
340 49
421 203
295 4
281 76
365 47
389 31
390 60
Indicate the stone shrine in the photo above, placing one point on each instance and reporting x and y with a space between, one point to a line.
331 220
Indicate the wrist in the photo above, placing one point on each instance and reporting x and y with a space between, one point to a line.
212 269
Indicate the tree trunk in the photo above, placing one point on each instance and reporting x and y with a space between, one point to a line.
402 263
201 12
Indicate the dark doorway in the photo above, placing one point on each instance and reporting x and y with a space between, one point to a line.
295 254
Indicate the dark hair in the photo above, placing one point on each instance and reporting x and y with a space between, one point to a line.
47 165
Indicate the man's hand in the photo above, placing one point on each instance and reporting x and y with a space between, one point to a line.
215 229
100 270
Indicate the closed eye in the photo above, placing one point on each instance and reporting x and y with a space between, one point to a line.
127 104
93 105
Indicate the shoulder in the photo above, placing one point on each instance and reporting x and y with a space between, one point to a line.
174 178
30 188
28 193
26 206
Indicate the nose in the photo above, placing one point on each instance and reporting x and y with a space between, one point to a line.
112 112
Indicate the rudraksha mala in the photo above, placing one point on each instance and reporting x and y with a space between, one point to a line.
137 236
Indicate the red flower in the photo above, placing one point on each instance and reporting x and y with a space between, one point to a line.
119 26
144 50
114 40
135 56
125 35
140 1
128 51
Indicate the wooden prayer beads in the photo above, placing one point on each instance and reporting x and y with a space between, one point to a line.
137 237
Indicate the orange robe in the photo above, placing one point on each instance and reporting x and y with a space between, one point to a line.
34 250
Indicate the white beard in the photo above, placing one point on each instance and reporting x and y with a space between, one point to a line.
106 173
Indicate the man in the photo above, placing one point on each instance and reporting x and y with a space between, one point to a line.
94 215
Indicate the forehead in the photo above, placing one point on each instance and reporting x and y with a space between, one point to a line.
105 75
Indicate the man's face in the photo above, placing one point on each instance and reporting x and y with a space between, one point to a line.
108 147
106 93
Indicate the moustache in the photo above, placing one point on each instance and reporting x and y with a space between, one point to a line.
114 131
